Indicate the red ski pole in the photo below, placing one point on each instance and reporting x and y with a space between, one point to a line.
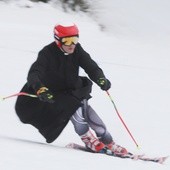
122 119
19 94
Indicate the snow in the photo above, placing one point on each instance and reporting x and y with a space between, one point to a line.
130 40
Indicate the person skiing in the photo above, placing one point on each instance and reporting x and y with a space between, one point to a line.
63 95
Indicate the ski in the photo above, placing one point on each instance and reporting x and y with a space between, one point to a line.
129 155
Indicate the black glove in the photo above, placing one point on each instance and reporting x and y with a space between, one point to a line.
104 84
45 95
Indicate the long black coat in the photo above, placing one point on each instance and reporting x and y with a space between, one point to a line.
60 73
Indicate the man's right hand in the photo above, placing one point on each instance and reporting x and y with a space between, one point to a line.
45 95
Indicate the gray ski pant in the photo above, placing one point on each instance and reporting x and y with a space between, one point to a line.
85 118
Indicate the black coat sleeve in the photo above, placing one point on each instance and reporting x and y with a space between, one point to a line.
37 71
90 66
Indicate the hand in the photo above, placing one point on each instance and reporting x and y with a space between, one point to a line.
45 95
104 84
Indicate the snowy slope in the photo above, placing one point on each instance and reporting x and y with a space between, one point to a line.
133 50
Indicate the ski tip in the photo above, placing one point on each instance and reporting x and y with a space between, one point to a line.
163 159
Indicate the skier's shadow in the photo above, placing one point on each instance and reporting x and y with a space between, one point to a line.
30 142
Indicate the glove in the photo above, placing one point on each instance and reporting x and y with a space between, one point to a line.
45 95
104 84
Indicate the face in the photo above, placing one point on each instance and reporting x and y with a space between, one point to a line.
69 49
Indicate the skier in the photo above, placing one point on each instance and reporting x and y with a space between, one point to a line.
63 95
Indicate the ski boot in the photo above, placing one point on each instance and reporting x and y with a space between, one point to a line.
92 142
116 149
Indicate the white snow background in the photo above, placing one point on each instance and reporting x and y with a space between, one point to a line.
130 40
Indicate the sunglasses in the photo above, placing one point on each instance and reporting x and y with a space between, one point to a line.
67 41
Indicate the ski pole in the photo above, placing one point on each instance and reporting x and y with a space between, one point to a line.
122 119
19 94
